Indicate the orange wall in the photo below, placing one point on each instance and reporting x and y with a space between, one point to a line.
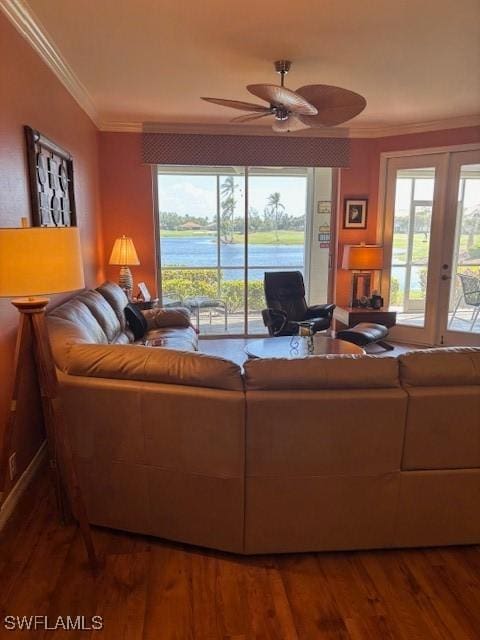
127 202
32 95
361 179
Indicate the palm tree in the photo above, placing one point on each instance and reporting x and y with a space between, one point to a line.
275 207
227 192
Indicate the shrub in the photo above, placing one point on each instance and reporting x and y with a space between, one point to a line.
187 283
395 295
256 295
190 282
423 280
233 292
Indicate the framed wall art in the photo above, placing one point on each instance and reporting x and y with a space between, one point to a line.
355 213
50 170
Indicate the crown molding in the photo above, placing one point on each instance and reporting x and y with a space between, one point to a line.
383 131
30 27
386 131
116 126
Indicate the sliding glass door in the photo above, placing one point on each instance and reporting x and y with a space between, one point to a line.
220 229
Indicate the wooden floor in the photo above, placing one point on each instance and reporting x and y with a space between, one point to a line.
155 590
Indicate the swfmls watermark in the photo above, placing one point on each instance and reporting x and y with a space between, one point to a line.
67 623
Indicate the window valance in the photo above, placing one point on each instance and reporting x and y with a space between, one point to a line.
246 150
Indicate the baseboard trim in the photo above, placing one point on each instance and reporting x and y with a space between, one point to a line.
8 506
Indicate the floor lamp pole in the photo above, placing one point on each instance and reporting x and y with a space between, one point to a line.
32 323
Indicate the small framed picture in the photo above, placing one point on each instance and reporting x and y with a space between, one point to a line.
355 214
144 292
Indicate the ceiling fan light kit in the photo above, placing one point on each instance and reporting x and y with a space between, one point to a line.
313 105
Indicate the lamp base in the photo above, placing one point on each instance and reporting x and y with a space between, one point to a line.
361 287
33 332
125 279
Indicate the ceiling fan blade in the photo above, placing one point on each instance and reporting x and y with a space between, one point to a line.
283 97
236 104
290 124
334 104
252 116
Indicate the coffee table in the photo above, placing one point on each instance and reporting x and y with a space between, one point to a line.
281 347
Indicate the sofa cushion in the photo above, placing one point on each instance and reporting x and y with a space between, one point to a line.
135 362
442 428
183 338
69 323
136 321
451 366
322 372
160 318
116 298
103 313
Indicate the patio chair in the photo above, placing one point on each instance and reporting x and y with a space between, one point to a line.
470 295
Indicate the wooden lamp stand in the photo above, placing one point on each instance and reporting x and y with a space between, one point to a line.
32 323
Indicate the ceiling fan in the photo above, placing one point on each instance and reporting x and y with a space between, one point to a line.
313 105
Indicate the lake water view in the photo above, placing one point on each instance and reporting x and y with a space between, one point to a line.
201 251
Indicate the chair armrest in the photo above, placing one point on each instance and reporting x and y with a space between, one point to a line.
320 311
159 318
275 320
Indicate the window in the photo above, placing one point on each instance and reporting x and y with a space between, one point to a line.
221 228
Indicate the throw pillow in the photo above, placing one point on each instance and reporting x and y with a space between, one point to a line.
136 321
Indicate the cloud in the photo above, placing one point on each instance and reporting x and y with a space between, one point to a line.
185 197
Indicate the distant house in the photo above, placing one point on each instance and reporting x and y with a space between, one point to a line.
191 226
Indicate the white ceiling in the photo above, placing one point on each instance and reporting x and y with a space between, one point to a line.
151 60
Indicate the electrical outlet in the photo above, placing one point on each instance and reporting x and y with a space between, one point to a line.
12 465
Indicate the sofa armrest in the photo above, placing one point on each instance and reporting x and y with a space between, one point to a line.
160 318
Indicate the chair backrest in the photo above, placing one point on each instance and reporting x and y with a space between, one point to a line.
285 291
471 289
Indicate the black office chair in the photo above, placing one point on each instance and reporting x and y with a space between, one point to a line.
287 307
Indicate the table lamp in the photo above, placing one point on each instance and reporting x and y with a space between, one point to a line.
35 261
124 255
363 259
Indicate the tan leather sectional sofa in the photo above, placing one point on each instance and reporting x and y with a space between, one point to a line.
324 453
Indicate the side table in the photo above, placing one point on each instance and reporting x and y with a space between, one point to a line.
350 316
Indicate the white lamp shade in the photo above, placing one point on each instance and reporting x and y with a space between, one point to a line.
124 252
40 260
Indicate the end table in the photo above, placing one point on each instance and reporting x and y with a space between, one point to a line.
350 316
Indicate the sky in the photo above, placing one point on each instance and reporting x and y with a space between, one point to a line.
196 195
424 191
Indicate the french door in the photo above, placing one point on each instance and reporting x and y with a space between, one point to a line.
459 304
432 247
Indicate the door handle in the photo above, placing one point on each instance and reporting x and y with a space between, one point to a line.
444 277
